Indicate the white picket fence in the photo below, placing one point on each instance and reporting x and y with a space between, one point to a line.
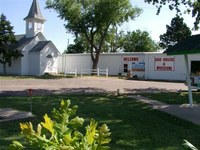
52 70
73 72
97 71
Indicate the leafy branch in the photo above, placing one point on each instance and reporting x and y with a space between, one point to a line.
61 132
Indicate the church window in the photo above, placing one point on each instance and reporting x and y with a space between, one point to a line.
30 25
39 25
49 56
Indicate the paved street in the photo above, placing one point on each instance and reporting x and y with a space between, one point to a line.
84 84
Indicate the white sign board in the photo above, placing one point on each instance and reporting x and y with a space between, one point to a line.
164 63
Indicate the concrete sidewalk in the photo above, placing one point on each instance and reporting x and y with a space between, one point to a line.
182 111
8 114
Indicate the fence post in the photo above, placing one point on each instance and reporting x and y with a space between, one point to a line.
98 72
57 70
75 72
106 72
30 94
65 72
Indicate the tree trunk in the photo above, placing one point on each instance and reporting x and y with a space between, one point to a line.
95 64
95 60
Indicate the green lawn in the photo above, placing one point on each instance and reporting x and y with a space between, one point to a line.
133 124
173 98
45 76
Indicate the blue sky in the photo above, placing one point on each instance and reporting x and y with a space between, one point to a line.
17 10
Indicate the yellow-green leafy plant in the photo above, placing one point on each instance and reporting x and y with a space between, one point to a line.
61 132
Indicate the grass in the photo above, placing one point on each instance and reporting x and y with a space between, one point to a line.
49 76
45 76
173 98
133 124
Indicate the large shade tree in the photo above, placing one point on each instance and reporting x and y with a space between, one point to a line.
8 43
176 31
139 41
93 19
191 6
114 40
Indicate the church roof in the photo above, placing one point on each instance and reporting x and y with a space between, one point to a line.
35 11
39 46
22 41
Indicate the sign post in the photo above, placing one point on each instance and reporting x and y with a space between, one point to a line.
188 81
30 93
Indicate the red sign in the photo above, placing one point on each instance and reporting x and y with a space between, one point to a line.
171 59
30 92
130 58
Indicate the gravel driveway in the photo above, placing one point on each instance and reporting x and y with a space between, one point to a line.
11 87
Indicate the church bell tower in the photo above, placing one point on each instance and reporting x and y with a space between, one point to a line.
34 20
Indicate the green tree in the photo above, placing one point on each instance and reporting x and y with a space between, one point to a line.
114 40
93 19
7 43
113 43
139 41
191 6
80 46
176 32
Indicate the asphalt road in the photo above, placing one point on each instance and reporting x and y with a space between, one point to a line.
12 87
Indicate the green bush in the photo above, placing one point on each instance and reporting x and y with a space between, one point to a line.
62 132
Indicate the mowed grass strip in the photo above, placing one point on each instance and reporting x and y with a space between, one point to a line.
134 125
45 76
173 97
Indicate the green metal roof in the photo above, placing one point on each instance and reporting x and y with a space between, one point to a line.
190 45
35 12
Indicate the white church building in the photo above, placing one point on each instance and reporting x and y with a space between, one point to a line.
39 54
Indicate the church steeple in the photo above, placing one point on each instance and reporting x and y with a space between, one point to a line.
34 20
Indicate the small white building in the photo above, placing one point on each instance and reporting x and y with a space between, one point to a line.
144 65
39 54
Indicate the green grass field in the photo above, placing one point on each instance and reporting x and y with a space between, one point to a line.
133 125
45 76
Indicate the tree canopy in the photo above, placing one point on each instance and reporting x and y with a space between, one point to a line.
7 43
135 41
191 6
139 41
93 19
176 32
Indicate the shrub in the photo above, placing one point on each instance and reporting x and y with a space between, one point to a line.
62 132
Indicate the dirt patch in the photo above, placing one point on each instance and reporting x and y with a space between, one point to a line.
19 87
